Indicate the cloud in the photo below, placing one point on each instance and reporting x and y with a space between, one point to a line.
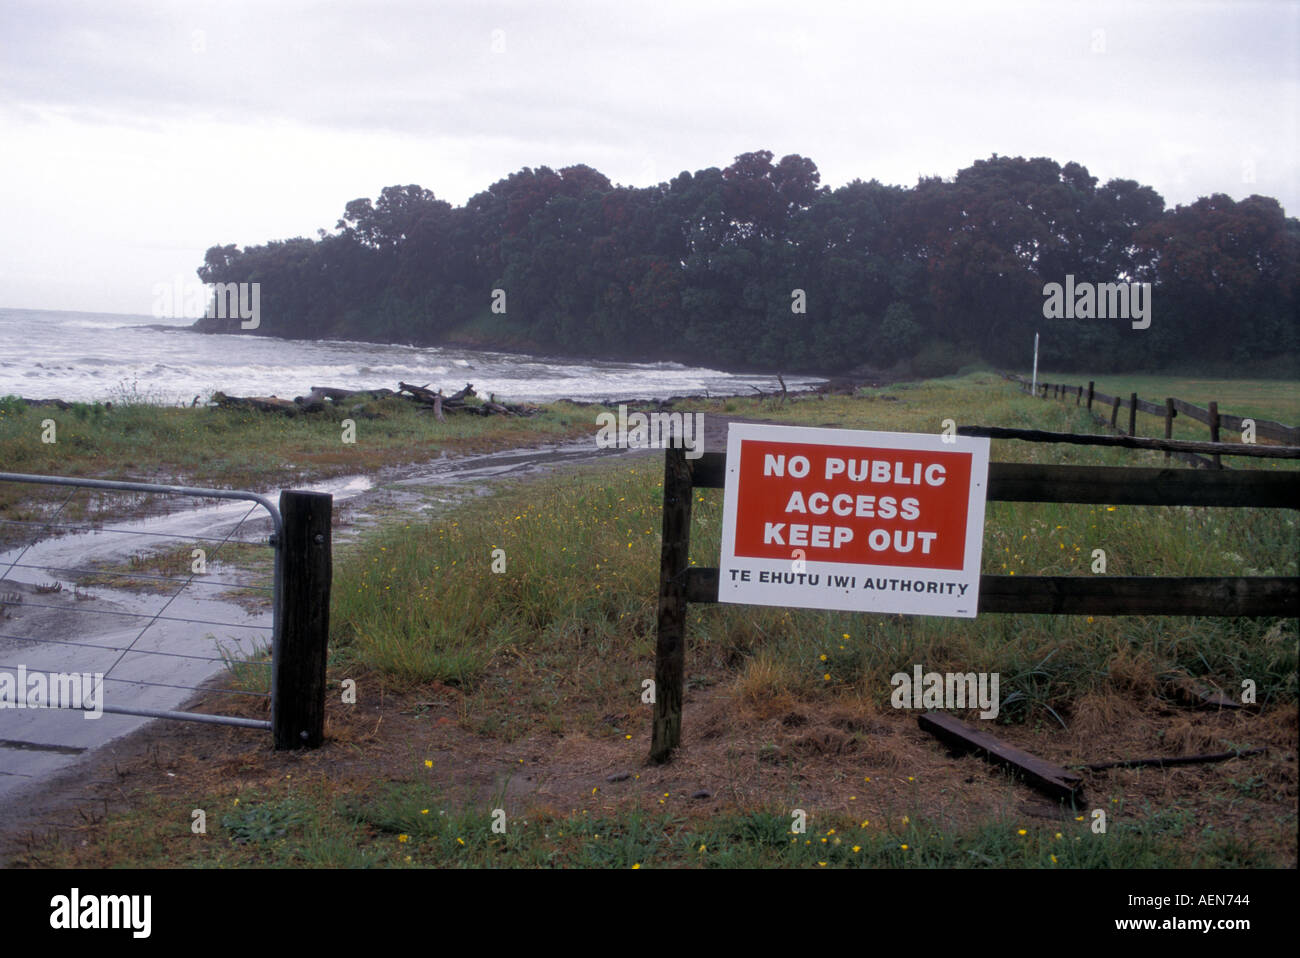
158 124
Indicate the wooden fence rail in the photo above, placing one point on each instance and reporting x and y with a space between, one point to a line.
1169 409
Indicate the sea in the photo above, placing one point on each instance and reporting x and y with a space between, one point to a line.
88 357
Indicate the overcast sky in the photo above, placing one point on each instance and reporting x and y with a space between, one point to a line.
133 136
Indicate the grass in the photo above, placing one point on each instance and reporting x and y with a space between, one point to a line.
554 649
1275 399
407 825
573 615
139 440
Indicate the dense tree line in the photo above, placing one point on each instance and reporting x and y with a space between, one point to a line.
759 266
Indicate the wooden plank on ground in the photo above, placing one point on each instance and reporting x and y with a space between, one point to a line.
1053 780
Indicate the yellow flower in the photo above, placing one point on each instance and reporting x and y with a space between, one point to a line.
1053 859
428 763
424 811
704 848
826 677
461 840
402 838
636 866
1022 832
856 849
822 656
906 819
903 847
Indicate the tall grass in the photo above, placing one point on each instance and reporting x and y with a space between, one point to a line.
572 617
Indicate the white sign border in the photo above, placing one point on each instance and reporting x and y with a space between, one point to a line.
895 600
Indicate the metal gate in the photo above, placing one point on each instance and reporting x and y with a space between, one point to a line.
138 647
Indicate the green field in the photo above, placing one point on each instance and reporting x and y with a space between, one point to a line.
237 448
538 668
1275 399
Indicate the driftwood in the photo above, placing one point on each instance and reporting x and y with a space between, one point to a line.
461 394
261 403
428 399
322 397
335 395
421 393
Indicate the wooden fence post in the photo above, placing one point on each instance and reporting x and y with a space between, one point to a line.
1132 414
298 663
670 648
1114 414
1090 392
1170 413
1078 396
1214 432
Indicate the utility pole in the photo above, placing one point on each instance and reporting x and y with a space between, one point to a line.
1033 389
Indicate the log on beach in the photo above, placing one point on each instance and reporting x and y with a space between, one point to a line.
315 400
419 393
336 395
261 403
423 396
56 403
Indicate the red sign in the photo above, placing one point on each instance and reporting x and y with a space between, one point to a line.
827 518
853 504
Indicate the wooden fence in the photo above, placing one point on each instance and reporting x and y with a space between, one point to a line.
1170 408
681 583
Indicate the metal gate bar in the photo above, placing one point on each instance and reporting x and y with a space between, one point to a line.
197 493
